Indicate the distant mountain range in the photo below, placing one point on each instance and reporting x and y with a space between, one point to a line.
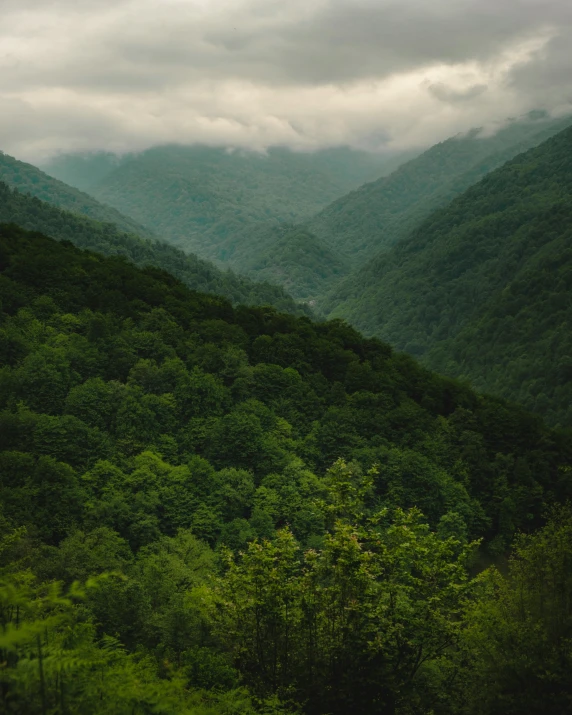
196 196
287 216
460 256
33 214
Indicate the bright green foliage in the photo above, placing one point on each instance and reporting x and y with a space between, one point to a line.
110 239
353 626
174 454
53 660
481 289
518 635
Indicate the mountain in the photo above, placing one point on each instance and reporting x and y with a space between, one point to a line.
33 214
213 510
196 196
377 215
286 255
29 179
83 170
482 289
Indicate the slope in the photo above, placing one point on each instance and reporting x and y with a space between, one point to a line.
83 170
196 196
286 255
205 509
377 215
29 179
483 288
33 214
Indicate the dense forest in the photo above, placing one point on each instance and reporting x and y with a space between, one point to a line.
482 289
198 196
287 255
83 170
339 165
28 179
379 214
226 511
252 212
33 214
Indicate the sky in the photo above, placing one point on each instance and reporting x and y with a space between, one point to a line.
122 75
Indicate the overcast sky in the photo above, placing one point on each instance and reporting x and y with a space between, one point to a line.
127 74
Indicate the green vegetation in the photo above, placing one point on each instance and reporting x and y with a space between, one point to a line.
376 216
29 179
83 170
226 511
197 197
35 215
482 289
285 255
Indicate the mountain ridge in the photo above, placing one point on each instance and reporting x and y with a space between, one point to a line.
481 289
379 214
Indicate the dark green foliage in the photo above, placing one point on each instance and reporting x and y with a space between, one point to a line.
518 642
114 360
109 240
481 290
239 491
30 180
377 215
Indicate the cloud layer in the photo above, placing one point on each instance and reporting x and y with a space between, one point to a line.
125 74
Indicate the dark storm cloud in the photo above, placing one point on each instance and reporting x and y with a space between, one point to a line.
258 71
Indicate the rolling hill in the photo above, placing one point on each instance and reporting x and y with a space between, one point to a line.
197 196
482 289
287 255
377 215
28 179
33 214
191 491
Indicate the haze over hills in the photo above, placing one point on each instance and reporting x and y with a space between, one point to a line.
482 289
83 170
311 258
247 210
378 214
196 196
215 499
28 179
33 214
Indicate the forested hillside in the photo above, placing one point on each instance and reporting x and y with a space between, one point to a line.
214 510
33 214
196 196
83 170
29 179
379 214
287 255
482 289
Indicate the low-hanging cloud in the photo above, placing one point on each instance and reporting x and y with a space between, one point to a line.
125 74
